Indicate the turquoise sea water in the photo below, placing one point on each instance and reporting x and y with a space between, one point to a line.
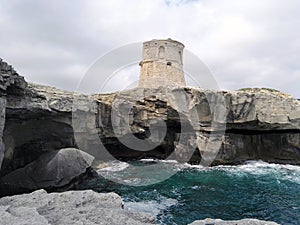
253 190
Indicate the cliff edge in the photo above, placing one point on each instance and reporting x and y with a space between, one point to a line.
185 124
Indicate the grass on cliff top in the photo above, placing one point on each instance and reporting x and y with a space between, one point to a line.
270 90
259 89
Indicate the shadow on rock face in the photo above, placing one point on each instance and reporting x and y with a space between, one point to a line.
55 170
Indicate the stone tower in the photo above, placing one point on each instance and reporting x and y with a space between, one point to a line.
162 64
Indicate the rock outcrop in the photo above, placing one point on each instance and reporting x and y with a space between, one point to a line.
10 80
233 222
186 124
10 83
54 170
231 126
33 126
72 207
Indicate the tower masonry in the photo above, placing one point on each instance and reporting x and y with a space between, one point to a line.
162 64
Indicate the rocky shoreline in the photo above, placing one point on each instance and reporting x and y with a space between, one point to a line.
51 139
72 207
82 207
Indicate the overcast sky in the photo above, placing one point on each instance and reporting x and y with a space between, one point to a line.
245 43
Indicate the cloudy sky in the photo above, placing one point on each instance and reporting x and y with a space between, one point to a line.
245 43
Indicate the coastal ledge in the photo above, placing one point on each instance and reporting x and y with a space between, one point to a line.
71 207
254 124
263 125
82 207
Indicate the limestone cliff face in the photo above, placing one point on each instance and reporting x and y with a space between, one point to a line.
230 126
33 133
185 124
10 84
34 125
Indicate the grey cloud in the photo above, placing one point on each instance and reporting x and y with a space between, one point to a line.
244 43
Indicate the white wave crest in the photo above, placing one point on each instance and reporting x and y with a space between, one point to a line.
257 168
261 168
114 166
153 207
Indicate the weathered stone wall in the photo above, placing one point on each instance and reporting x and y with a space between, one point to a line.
162 64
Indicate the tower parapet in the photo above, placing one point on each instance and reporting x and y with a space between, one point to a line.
162 64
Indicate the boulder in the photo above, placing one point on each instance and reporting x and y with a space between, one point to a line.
71 207
52 170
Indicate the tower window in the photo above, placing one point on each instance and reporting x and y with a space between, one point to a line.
161 52
169 64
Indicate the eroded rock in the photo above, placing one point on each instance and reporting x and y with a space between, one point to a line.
72 207
186 124
53 170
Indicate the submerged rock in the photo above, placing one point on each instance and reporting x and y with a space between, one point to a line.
72 207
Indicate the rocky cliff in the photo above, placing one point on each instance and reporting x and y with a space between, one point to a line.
33 134
10 84
229 127
186 124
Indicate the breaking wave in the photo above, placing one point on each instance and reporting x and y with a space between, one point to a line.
255 189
